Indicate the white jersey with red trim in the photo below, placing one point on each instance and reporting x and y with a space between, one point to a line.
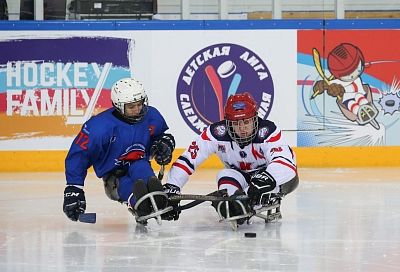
351 89
268 149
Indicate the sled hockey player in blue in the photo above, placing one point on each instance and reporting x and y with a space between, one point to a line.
119 143
258 163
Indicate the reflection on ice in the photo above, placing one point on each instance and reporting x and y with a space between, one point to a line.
337 220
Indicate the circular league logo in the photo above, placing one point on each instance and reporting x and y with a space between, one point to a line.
213 74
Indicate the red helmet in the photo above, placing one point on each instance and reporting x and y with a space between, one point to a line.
241 107
344 59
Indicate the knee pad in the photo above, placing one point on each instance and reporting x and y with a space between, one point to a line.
111 184
232 180
111 187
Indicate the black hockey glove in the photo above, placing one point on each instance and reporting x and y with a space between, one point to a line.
74 202
171 190
162 148
260 185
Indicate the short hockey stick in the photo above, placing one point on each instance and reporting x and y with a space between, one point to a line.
208 197
191 204
161 172
198 199
202 198
87 218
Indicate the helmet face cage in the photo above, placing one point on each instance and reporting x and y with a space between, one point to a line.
239 125
129 90
241 116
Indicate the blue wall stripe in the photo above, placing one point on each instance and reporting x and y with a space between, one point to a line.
200 24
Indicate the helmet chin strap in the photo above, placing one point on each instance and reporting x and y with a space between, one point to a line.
128 119
241 145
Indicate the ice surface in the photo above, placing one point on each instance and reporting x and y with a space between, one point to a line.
337 220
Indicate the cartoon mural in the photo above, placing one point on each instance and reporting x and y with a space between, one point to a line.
346 64
363 80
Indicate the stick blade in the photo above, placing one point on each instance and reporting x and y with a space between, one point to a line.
87 218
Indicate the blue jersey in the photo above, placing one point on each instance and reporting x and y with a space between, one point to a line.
107 143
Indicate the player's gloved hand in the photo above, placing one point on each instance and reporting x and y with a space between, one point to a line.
74 202
261 183
162 148
235 209
171 190
319 87
336 90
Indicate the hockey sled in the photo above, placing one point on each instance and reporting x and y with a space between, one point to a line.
156 211
232 220
269 213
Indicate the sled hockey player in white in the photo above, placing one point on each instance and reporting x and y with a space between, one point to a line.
258 162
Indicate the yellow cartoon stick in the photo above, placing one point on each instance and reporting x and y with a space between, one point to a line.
318 66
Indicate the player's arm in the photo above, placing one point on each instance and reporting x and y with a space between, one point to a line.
281 169
77 162
199 150
80 156
162 143
282 158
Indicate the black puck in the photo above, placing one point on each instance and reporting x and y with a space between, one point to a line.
250 234
389 103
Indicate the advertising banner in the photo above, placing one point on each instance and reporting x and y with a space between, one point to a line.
52 82
50 85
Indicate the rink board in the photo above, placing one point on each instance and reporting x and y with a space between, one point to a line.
42 161
48 89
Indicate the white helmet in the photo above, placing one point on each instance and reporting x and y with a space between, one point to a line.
128 90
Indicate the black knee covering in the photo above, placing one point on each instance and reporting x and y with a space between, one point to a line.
111 183
236 209
111 187
139 191
154 185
